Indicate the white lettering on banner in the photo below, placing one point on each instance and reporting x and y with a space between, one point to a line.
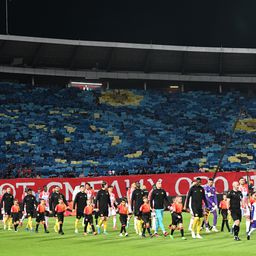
68 189
24 185
76 190
203 178
93 183
151 182
225 184
177 184
127 183
8 185
115 184
245 178
250 178
53 184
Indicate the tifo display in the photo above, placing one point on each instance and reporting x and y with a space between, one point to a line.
67 132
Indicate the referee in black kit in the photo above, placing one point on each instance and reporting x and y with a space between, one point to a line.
234 205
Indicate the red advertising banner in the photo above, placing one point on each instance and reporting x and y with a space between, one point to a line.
174 184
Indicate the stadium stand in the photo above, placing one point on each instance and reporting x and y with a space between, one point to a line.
53 131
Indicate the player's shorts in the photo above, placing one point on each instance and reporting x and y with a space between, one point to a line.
96 215
236 214
103 212
54 213
7 211
60 216
123 219
146 217
224 213
88 218
176 220
40 217
112 211
137 212
79 215
197 212
253 224
30 213
15 217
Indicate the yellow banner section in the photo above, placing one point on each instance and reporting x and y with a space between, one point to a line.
118 98
248 125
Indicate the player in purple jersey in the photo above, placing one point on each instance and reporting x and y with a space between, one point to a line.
211 197
252 216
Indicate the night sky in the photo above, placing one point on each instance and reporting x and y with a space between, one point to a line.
191 22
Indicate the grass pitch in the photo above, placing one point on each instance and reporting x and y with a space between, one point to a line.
31 243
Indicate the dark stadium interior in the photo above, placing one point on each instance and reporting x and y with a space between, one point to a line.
198 23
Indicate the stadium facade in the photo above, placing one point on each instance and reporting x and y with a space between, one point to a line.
45 60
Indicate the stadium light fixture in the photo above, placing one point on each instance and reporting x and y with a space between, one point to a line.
85 85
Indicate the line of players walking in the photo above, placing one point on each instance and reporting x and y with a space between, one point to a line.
147 208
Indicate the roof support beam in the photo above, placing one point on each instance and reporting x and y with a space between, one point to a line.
109 59
127 45
73 56
220 63
2 44
255 64
36 55
129 75
147 61
183 63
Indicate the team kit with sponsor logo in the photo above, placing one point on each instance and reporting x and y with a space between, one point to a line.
142 197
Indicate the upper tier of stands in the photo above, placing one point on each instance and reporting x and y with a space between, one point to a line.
59 131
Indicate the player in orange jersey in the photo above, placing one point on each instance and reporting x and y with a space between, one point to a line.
40 215
91 194
60 210
15 211
88 218
223 208
123 210
145 210
45 194
177 220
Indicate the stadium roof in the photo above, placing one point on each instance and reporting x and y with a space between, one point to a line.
113 60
